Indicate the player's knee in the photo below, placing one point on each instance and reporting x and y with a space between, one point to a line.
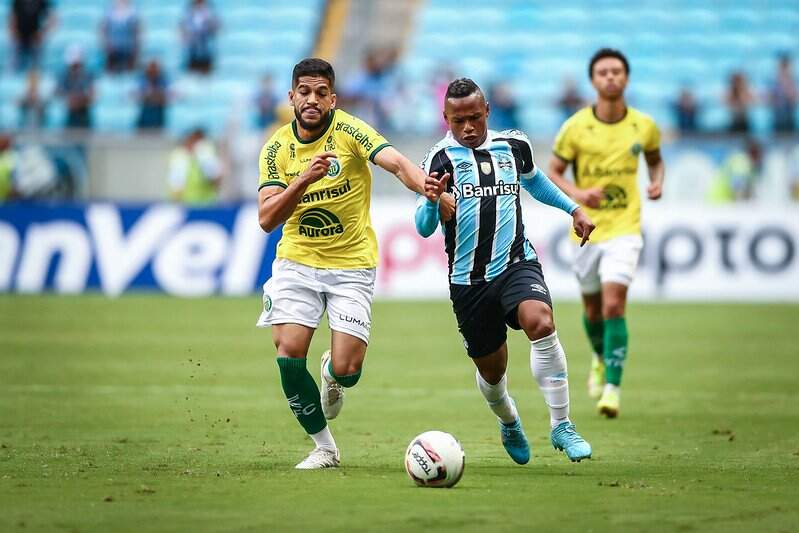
287 348
347 368
593 314
614 309
538 324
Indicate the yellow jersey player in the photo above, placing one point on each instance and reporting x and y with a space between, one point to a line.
603 143
315 179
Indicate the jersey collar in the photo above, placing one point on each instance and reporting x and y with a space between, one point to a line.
593 112
321 133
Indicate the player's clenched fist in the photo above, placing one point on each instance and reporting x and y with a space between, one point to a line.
318 167
582 225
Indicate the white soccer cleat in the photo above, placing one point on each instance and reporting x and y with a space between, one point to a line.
319 458
331 392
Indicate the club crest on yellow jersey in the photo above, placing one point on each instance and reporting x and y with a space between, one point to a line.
334 169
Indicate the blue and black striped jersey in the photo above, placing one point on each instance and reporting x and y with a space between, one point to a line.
486 235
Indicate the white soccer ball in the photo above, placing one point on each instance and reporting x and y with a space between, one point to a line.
435 459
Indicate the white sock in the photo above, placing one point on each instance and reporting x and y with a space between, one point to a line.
497 398
612 388
548 363
324 439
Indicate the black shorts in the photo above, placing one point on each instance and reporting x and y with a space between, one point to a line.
483 311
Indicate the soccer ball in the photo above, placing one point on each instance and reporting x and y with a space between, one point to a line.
435 459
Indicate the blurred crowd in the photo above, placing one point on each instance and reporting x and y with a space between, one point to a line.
120 34
194 166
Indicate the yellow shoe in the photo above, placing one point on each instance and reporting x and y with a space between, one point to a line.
596 377
608 405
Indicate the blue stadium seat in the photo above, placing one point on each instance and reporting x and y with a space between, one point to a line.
115 117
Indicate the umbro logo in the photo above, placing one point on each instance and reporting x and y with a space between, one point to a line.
535 287
464 166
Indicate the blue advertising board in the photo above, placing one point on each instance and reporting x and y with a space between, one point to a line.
111 248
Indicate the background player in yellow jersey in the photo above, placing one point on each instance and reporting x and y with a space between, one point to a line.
603 142
315 178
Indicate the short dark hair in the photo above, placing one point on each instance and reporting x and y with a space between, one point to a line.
461 88
607 52
313 66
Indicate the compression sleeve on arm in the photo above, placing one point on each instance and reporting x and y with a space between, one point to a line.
427 217
542 189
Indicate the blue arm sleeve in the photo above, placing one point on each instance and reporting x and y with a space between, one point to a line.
542 189
427 217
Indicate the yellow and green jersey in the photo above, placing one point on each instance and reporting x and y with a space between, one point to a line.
331 227
606 156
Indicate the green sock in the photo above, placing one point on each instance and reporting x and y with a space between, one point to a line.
302 393
345 381
596 333
615 349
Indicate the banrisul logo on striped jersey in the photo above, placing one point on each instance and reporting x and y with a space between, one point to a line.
469 190
317 222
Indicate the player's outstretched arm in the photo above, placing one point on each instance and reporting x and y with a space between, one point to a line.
544 190
391 160
657 173
276 204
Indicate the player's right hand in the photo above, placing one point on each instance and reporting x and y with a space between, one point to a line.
591 197
318 167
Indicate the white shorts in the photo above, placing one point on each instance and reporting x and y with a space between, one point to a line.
611 261
299 294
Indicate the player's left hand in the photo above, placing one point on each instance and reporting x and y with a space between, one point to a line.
582 225
655 190
446 207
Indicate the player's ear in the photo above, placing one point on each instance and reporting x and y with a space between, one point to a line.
333 101
291 96
488 109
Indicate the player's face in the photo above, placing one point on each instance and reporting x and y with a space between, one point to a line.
312 99
467 119
609 77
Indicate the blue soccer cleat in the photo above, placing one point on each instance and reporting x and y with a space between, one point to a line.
565 438
515 442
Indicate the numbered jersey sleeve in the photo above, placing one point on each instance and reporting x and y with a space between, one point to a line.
361 138
272 162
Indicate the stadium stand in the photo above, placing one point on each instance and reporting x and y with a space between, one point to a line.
256 37
673 43
533 45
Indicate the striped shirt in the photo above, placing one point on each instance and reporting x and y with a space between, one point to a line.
486 235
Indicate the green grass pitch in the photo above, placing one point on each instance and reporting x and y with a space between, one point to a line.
147 413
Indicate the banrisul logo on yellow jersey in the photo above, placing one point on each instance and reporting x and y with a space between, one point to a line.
318 223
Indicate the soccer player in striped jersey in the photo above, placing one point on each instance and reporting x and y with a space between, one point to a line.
494 274
603 144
